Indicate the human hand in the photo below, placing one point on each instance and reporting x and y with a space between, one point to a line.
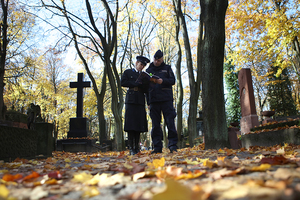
158 81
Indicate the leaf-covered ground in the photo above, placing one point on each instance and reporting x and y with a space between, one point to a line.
189 174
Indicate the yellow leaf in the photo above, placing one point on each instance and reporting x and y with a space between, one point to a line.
82 177
3 192
96 179
188 176
126 165
51 182
159 162
67 165
221 158
190 162
174 191
4 171
209 163
67 160
221 151
35 162
262 167
91 192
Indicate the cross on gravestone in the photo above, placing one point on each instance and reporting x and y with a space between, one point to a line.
79 125
80 84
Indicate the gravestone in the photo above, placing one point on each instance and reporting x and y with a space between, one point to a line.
79 127
249 117
233 133
200 124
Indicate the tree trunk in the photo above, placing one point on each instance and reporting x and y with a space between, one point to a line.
296 59
100 109
115 108
214 119
192 126
3 49
179 86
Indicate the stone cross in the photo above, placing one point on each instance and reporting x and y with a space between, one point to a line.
80 84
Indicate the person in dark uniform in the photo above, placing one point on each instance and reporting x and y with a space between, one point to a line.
135 112
160 99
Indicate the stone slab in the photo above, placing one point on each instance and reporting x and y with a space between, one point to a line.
76 145
290 136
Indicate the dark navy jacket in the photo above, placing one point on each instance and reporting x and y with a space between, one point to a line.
161 92
135 92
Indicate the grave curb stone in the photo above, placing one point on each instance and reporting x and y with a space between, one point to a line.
271 138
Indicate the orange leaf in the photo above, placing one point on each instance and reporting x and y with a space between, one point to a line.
10 177
32 175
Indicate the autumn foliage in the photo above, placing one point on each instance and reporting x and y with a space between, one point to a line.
190 173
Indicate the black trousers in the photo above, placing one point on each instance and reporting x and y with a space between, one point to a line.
168 110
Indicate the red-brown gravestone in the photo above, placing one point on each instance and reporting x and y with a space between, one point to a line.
249 117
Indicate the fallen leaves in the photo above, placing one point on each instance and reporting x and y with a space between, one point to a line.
3 192
191 173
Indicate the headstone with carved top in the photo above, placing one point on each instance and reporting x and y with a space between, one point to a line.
249 117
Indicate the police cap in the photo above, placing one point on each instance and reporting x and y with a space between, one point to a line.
143 60
158 54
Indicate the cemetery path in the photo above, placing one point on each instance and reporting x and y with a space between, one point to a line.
189 174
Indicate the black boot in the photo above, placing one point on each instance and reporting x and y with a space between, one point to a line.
130 143
137 142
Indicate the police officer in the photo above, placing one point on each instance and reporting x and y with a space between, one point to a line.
160 99
135 113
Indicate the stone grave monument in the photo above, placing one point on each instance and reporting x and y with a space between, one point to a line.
79 127
19 141
249 117
272 136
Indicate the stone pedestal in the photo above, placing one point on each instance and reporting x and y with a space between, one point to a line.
79 127
77 137
77 145
268 115
267 120
248 122
233 133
